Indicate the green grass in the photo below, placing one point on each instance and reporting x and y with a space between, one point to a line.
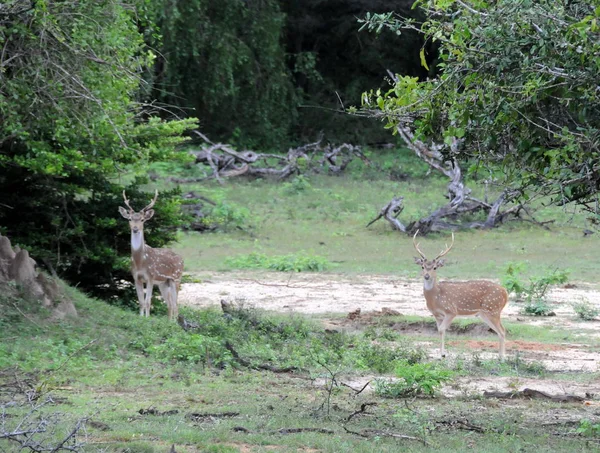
109 364
328 218
112 367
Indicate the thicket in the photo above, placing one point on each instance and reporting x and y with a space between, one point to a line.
73 133
516 86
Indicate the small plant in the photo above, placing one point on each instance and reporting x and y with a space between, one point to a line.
588 429
227 216
537 307
284 263
383 359
415 379
534 293
297 185
586 310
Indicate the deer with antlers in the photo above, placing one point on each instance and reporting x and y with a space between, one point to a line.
152 266
447 300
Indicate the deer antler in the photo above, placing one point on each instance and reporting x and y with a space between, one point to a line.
127 202
152 202
444 252
417 246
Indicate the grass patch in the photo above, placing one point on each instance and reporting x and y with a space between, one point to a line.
288 263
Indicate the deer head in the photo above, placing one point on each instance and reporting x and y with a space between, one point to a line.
430 267
137 219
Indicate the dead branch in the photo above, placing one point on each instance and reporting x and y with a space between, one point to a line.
370 433
266 367
534 394
362 410
357 392
33 431
460 202
226 162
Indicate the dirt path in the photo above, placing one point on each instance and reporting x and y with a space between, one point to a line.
331 294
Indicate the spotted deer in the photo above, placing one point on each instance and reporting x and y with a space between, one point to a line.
151 266
447 300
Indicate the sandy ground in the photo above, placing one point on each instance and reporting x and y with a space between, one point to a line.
331 294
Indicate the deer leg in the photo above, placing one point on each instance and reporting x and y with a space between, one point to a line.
139 289
496 325
164 292
442 326
173 287
148 299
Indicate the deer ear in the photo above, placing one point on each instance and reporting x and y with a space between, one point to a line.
124 212
419 261
148 214
440 263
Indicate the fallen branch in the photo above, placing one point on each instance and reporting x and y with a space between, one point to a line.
357 392
226 162
265 367
534 394
370 433
241 429
362 410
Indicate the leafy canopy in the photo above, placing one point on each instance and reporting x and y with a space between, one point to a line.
517 82
71 125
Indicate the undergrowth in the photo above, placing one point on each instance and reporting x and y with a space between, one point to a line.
299 262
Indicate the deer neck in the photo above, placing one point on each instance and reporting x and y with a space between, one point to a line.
430 287
138 246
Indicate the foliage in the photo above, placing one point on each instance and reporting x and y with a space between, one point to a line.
383 359
70 124
299 184
227 216
516 84
224 61
537 287
537 307
586 310
588 428
287 263
414 379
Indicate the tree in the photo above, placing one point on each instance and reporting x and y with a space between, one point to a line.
70 126
517 84
224 63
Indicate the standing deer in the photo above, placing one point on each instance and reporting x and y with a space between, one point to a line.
159 267
446 300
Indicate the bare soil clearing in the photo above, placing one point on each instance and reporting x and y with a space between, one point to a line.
334 297
334 294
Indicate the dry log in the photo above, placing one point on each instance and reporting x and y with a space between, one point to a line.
226 162
534 394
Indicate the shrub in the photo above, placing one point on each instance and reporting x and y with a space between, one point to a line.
414 379
536 289
586 310
537 307
284 263
588 429
383 359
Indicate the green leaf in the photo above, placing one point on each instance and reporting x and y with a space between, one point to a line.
423 61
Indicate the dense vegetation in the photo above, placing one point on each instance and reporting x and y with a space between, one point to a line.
89 99
516 85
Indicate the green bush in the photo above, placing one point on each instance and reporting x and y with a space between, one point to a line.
537 307
588 429
414 379
382 359
534 291
297 185
227 216
586 310
285 263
